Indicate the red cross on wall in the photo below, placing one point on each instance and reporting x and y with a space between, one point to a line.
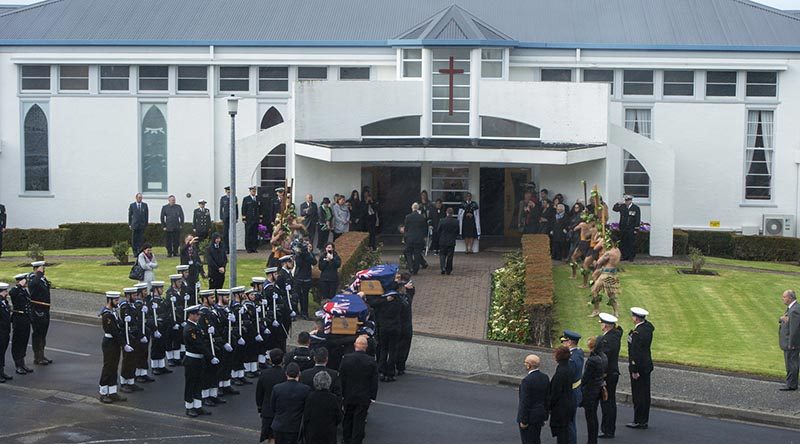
451 71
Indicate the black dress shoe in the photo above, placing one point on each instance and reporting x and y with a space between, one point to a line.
46 359
192 413
237 382
5 376
159 371
634 425
2 380
125 388
606 436
783 389
136 388
209 402
218 400
245 381
202 411
401 372
105 399
117 398
21 371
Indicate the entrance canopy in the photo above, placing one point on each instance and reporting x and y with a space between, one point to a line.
449 150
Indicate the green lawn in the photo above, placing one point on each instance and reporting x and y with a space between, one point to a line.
727 322
102 251
774 266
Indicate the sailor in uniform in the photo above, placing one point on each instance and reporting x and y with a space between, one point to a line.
113 340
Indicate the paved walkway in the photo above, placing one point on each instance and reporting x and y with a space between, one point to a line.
458 304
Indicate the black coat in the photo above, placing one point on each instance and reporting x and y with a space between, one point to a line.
594 375
609 344
224 209
171 217
359 375
310 214
302 357
448 231
534 394
268 379
416 228
201 220
562 402
303 263
307 378
639 341
629 218
329 270
216 258
286 404
137 218
250 209
321 415
388 314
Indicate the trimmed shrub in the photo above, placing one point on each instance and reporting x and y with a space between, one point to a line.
766 248
508 319
35 252
16 239
120 251
680 242
697 258
539 287
712 243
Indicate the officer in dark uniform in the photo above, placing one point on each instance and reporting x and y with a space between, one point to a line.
198 352
250 216
211 325
630 216
113 340
388 317
406 289
225 215
39 288
174 304
5 330
129 315
609 343
21 321
144 327
161 315
201 221
640 365
570 339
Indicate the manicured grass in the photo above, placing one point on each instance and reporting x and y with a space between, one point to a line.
727 322
774 266
102 251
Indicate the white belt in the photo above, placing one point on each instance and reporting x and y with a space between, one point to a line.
108 335
194 355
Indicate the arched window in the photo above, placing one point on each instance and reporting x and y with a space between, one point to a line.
154 148
393 127
273 169
271 118
37 162
635 179
494 127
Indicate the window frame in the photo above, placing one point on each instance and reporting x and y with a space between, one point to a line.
665 83
570 70
735 85
100 78
306 79
21 77
178 78
61 77
463 191
404 60
220 79
632 82
501 61
747 85
25 107
272 79
359 68
466 60
745 201
144 106
152 91
610 83
638 199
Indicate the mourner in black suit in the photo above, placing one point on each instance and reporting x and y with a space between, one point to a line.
416 229
310 214
534 393
322 412
789 339
438 213
592 387
447 233
640 365
138 217
250 214
321 365
225 215
201 221
268 379
630 216
217 260
562 403
172 222
3 222
388 314
359 375
609 343
287 402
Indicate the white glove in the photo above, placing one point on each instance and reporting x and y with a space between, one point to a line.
227 348
186 297
288 287
144 308
232 317
143 340
128 348
155 306
127 319
240 341
258 309
157 334
293 314
242 310
276 324
214 361
211 330
267 332
259 338
183 324
173 299
176 327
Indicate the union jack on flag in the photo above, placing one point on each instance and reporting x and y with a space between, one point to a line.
383 273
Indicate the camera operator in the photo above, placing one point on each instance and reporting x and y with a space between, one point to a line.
304 260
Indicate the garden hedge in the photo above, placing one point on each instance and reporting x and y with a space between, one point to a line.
766 248
712 243
539 287
17 239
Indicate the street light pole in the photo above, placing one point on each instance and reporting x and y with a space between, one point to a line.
233 108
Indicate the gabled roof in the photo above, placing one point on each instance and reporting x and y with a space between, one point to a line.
6 8
702 25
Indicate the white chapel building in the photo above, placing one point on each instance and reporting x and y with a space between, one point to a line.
691 106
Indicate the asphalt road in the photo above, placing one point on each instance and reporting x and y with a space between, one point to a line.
57 404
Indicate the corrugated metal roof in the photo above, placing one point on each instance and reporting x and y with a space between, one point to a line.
7 8
633 24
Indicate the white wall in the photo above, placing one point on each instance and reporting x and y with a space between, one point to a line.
323 179
567 179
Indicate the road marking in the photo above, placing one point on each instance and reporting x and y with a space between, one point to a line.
437 412
58 350
99 441
39 430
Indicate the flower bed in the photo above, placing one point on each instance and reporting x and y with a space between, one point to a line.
508 319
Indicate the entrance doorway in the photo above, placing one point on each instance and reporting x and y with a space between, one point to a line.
395 188
501 191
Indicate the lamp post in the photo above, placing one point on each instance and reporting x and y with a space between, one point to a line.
233 109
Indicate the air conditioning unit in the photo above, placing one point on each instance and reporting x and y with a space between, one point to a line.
778 225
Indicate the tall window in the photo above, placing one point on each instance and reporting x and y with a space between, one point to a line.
758 155
721 84
114 77
192 79
73 78
273 78
678 83
762 84
637 82
153 78
449 183
273 169
412 63
556 75
234 78
492 63
600 76
35 78
635 180
447 120
154 148
35 144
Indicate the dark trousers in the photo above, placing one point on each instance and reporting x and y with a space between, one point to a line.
303 287
327 289
413 254
266 429
128 368
142 353
609 407
355 419
562 437
627 245
226 224
39 324
387 359
446 258
791 359
251 236
640 390
172 240
193 374
573 433
404 347
286 438
111 356
590 403
137 239
531 435
322 239
372 229
158 346
1 242
215 280
20 336
5 338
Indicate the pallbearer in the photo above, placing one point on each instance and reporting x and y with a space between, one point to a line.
174 306
113 341
161 316
21 321
129 315
197 353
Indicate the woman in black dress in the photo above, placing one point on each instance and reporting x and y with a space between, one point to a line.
329 263
562 403
469 221
356 212
217 260
371 219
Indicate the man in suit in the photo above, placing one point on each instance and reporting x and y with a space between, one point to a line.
576 358
250 214
789 339
310 214
321 365
172 222
269 378
416 228
225 215
609 343
201 221
640 365
534 393
287 403
630 216
138 218
359 376
447 233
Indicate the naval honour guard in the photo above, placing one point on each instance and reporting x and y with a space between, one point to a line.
39 288
21 320
5 330
209 323
239 343
197 353
175 303
129 315
225 321
144 330
162 326
113 340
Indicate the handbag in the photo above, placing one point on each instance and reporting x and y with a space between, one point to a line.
137 272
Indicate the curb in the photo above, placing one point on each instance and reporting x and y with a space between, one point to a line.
80 318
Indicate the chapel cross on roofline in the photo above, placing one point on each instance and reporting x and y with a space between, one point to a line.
451 71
